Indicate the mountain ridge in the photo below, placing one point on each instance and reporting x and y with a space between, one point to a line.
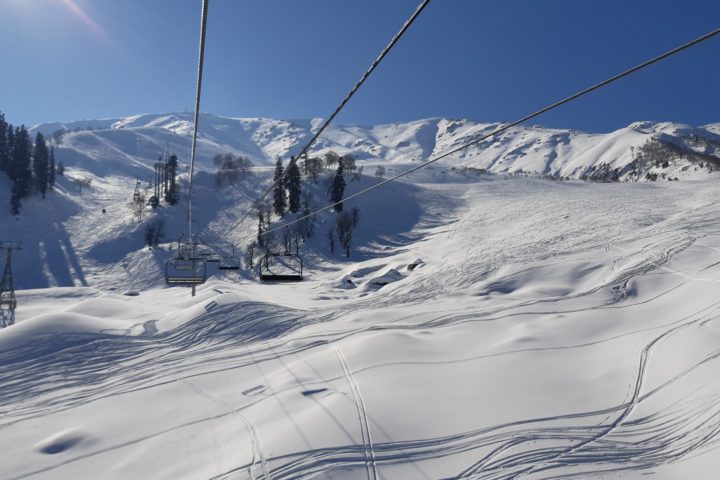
132 144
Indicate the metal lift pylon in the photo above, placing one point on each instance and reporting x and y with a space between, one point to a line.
8 302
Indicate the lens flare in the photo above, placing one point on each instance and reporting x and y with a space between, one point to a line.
84 17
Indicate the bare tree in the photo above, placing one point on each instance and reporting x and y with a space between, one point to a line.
331 240
154 232
81 183
357 174
331 160
380 172
291 240
348 163
286 240
250 251
306 227
263 211
231 168
244 165
345 226
313 167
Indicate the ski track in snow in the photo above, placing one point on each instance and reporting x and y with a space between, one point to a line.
361 409
59 373
257 452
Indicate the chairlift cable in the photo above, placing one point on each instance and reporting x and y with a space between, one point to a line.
186 268
365 76
350 94
503 128
201 61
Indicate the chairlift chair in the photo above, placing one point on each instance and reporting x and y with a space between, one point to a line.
186 268
276 267
230 263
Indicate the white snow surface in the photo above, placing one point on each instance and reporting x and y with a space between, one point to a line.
485 326
131 145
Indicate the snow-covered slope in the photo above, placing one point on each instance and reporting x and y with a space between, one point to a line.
130 145
485 326
510 328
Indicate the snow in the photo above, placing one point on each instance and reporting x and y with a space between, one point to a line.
485 326
129 146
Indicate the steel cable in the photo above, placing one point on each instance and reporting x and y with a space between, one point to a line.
508 126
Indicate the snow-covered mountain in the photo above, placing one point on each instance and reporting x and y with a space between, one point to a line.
130 145
82 241
493 327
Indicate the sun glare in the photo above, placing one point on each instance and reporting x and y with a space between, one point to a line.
51 10
83 16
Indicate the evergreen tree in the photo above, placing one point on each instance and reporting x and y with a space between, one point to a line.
51 168
279 189
3 143
21 163
293 186
9 147
41 159
15 200
337 188
171 196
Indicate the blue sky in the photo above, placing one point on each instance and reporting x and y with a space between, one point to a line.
478 59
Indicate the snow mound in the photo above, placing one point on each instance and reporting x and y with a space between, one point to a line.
61 441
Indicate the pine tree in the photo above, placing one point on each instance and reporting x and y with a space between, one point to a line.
41 158
9 147
279 189
293 186
15 200
171 196
337 189
51 169
20 170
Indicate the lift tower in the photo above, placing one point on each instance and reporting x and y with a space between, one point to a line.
8 303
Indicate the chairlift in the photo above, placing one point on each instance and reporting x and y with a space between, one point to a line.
230 263
276 267
208 256
187 268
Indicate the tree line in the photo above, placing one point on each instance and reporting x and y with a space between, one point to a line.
165 187
164 181
30 165
289 197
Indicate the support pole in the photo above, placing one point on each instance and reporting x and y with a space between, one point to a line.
8 302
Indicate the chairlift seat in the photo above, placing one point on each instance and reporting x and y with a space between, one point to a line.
229 267
232 263
281 268
182 271
184 280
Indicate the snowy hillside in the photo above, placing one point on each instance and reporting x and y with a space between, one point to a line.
546 330
129 145
484 327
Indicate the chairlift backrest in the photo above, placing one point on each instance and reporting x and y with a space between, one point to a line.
186 268
185 272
